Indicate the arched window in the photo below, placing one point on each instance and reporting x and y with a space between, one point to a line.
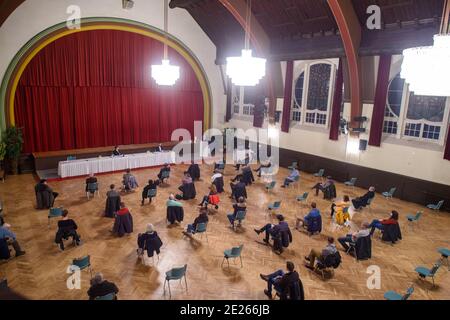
413 116
298 98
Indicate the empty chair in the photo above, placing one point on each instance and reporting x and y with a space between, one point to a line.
392 295
294 165
350 183
69 158
54 213
233 253
414 218
445 253
435 206
92 188
82 263
274 206
320 173
175 274
109 296
424 272
201 228
270 185
303 197
389 194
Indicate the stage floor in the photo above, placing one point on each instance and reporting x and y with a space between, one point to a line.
41 273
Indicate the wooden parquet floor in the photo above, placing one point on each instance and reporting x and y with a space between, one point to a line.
41 273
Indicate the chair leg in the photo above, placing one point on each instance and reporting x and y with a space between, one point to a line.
221 265
240 257
185 282
87 195
228 261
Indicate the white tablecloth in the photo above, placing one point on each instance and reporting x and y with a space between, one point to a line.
81 167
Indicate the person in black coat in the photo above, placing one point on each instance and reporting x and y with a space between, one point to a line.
202 218
288 285
238 190
152 185
45 196
165 168
363 200
66 228
281 234
123 223
90 179
112 202
149 241
194 171
100 287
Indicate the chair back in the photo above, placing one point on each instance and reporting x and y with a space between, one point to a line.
321 172
409 291
178 273
345 210
277 204
352 181
165 174
369 201
439 204
271 185
151 193
240 215
82 262
109 296
294 164
201 227
69 158
92 186
435 268
236 251
418 215
221 166
296 178
55 212
392 191
305 195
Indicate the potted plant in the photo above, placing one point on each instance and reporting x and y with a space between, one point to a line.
13 141
2 158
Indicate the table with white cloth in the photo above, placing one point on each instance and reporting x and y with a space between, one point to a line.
81 167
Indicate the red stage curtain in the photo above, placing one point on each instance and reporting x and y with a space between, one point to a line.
286 121
94 89
447 146
379 104
337 104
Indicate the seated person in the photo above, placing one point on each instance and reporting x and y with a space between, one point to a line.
211 198
240 205
291 178
363 200
165 168
217 180
45 196
238 190
242 163
116 151
152 185
100 287
281 234
187 187
175 212
123 223
266 164
112 202
202 218
288 285
351 238
380 224
10 237
149 241
330 248
247 175
345 203
129 181
311 221
66 228
91 179
323 186
219 166
194 171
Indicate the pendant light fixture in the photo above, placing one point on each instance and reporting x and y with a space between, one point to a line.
426 69
165 74
246 70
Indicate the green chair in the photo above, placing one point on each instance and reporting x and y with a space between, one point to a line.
175 274
71 158
240 216
165 175
424 272
54 213
389 194
151 193
233 253
350 183
109 296
320 173
303 197
274 206
296 180
83 263
92 188
414 218
436 207
201 228
445 254
394 296
294 165
270 185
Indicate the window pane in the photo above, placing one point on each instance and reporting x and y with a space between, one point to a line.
321 119
296 115
413 129
298 94
310 117
319 86
395 93
431 132
426 107
390 127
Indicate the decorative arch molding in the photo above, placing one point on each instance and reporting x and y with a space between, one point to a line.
24 56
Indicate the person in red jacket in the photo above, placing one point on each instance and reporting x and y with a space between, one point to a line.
379 224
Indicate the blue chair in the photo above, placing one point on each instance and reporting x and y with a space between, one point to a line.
165 175
69 158
270 185
92 188
294 165
303 197
389 194
54 213
175 274
274 206
350 183
240 216
220 166
394 296
109 296
424 272
201 228
296 180
151 193
234 253
414 218
83 263
320 173
445 254
437 206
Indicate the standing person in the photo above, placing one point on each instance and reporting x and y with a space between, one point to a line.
112 201
66 228
100 287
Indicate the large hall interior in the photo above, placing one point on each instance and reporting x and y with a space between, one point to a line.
225 149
